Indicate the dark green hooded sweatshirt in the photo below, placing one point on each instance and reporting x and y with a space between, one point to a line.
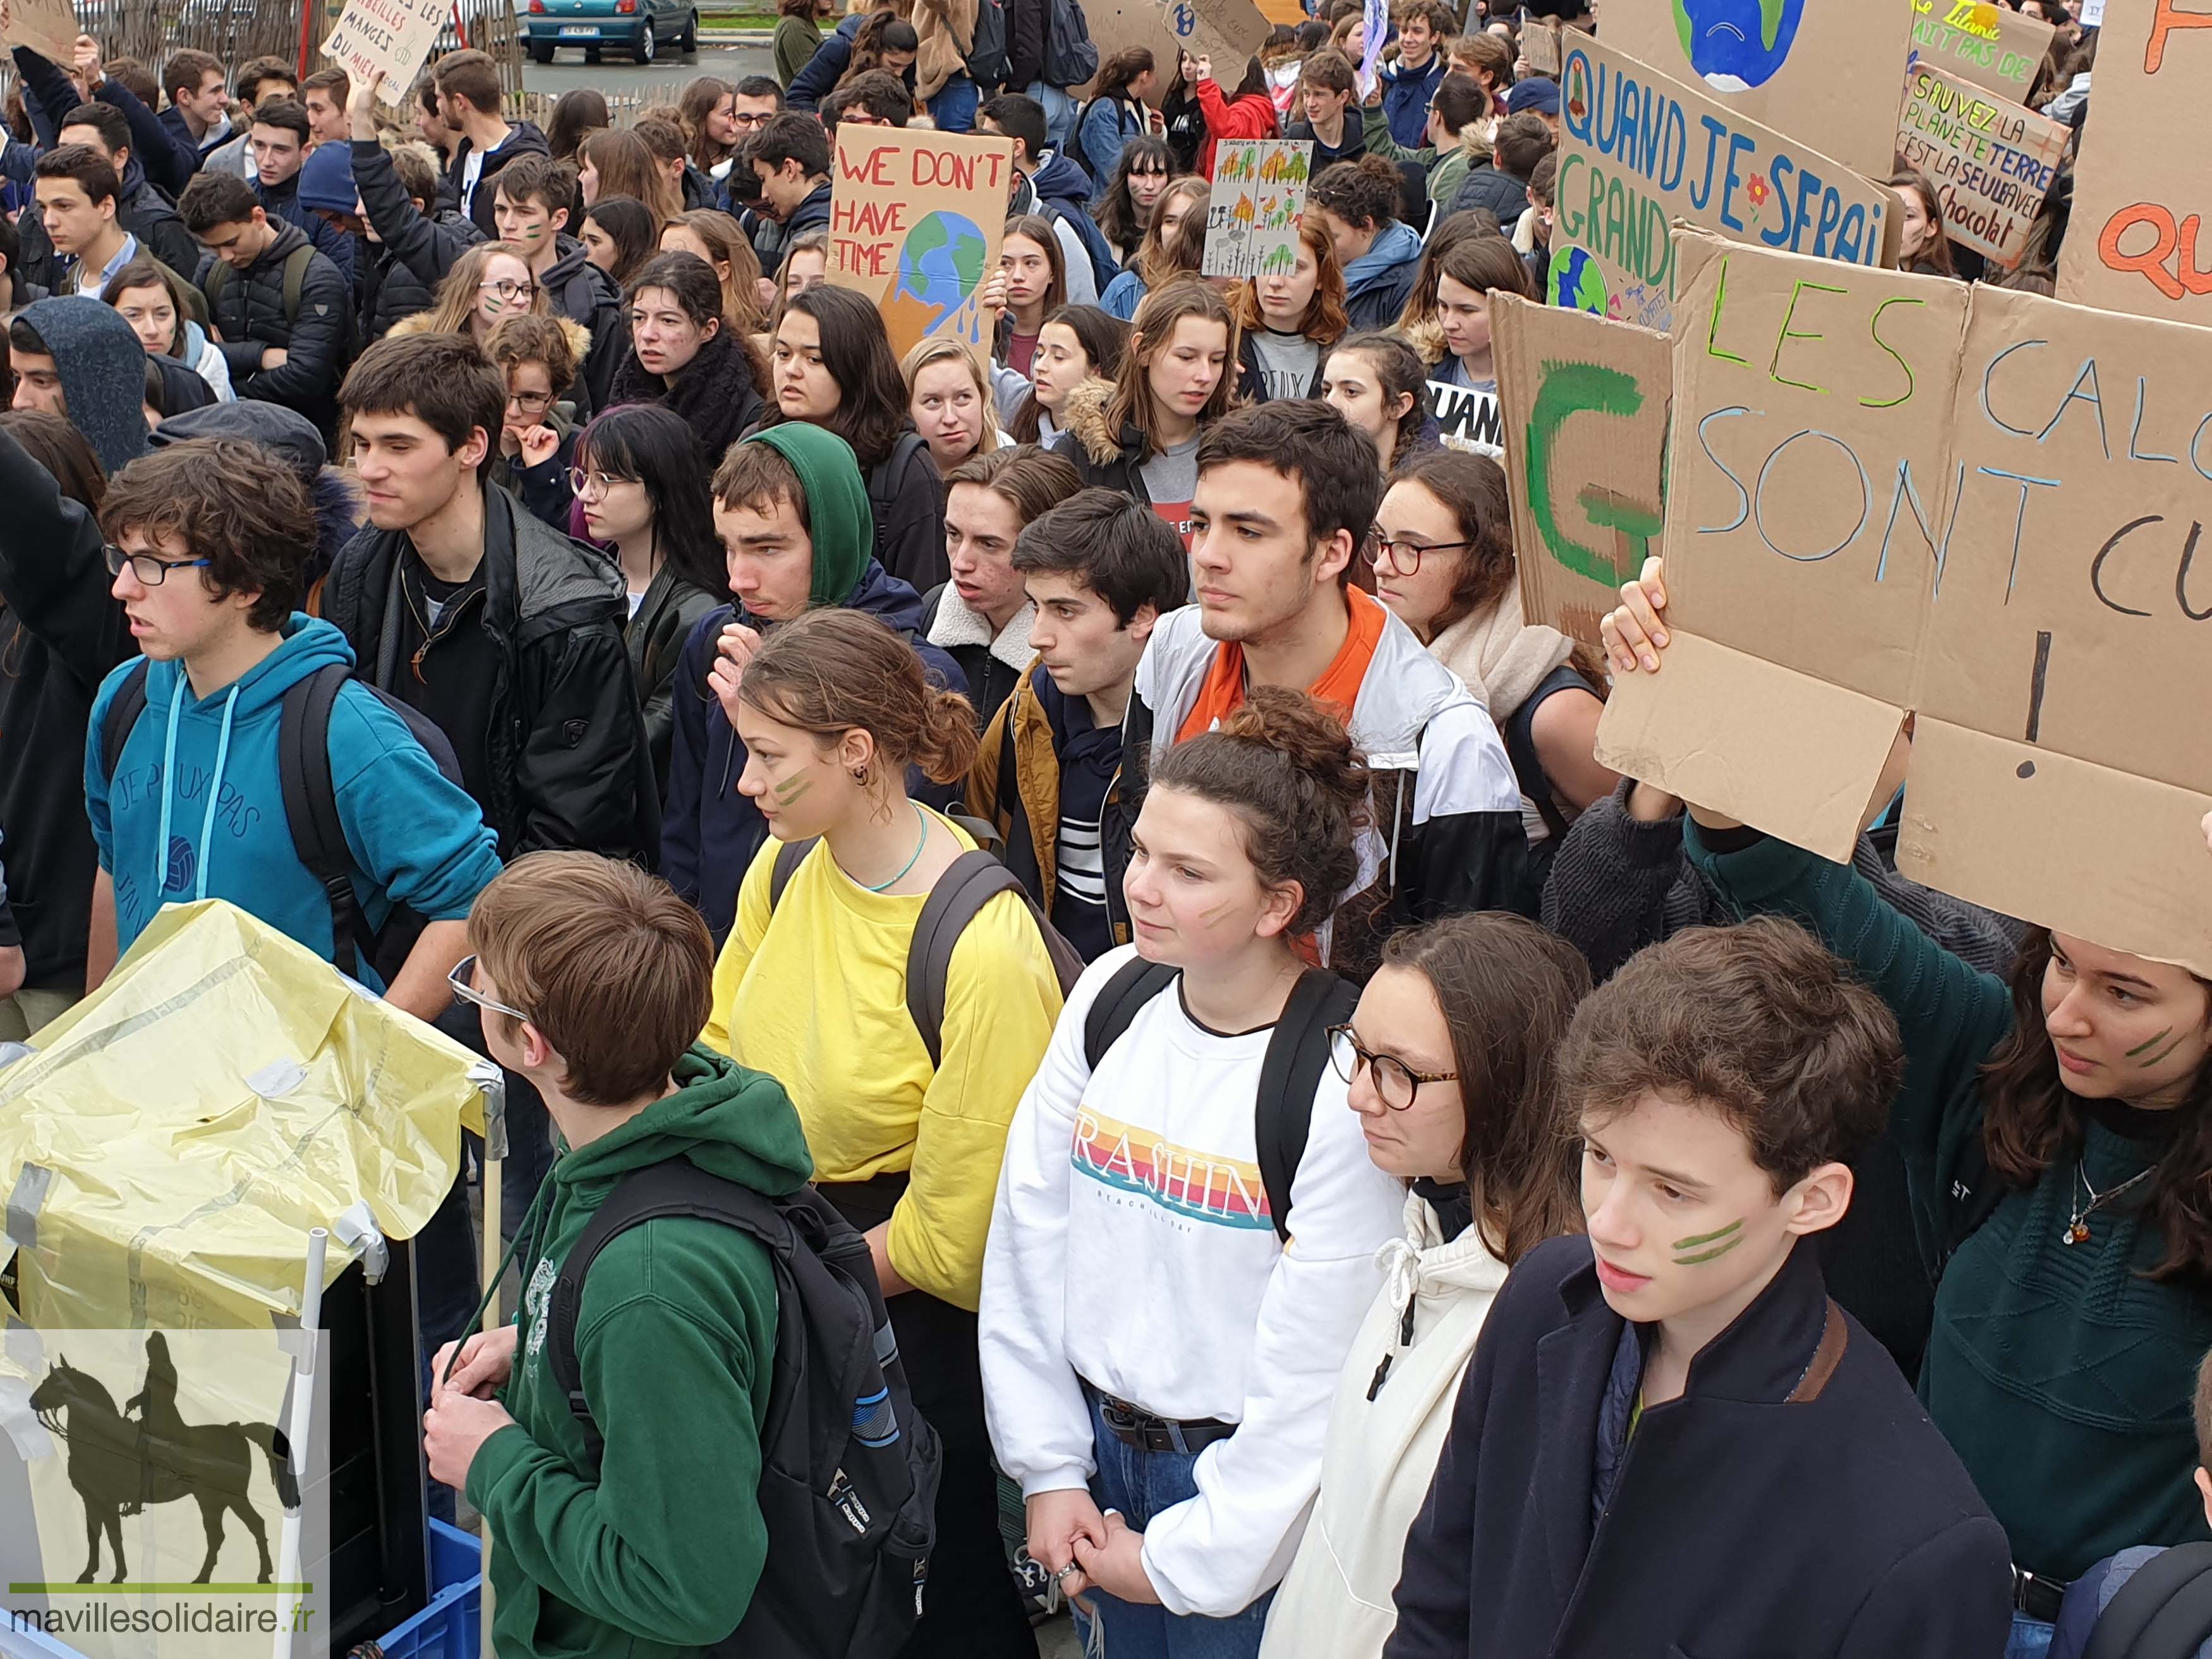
675 1339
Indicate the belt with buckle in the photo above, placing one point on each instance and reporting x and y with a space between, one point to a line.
2037 1597
1143 1431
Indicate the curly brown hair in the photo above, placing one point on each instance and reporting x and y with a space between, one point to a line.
226 500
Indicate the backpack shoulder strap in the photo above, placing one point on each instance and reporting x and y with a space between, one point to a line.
295 279
969 882
311 803
676 1188
788 857
1297 1054
2163 1611
1135 983
123 709
218 278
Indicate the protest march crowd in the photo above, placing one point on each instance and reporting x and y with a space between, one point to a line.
1057 889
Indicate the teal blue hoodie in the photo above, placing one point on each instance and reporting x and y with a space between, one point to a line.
195 807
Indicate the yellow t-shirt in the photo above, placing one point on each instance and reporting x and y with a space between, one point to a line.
818 1000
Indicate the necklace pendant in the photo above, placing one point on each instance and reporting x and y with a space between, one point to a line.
2075 1233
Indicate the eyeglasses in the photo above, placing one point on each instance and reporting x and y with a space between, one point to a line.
464 970
592 486
505 288
757 119
530 403
1402 557
1395 1082
149 570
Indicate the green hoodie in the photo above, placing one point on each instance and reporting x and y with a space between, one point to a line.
674 1340
836 511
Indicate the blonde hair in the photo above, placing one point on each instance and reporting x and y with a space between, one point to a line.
940 349
455 305
729 246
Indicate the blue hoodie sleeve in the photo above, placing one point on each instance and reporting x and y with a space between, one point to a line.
417 837
814 82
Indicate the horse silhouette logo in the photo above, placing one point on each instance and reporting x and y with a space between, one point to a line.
119 1464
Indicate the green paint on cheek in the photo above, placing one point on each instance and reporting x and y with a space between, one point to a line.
790 789
2151 1042
1722 1241
2146 1064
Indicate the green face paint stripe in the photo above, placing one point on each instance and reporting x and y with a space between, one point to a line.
1693 1243
2160 1055
790 789
2151 1043
1707 1256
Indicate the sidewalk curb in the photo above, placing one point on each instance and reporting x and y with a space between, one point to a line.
737 37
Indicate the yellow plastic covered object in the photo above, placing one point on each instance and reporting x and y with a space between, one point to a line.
166 1150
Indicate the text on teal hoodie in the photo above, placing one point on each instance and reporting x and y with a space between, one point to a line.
195 807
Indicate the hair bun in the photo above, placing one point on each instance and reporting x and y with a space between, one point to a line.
1310 735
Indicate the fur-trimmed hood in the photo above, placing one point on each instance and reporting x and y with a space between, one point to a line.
578 337
1084 415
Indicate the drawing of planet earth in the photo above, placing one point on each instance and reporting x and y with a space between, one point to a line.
940 264
1737 43
1575 281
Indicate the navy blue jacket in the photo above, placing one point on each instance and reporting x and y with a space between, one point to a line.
1061 190
825 69
1795 1499
1405 94
708 831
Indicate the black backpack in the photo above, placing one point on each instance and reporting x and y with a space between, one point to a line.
1070 58
2163 1611
987 56
848 1470
311 804
970 882
1298 1049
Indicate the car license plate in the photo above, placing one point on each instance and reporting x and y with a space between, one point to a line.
589 30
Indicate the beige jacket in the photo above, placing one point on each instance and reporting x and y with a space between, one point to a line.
946 30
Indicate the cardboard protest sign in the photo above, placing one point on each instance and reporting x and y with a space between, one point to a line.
1540 44
1227 31
1893 493
46 26
1259 193
1992 161
1812 69
2141 189
1466 419
1585 429
1997 48
915 218
1638 150
2093 14
394 36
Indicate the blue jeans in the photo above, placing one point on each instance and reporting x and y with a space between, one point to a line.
2030 1638
1140 1485
953 109
1059 114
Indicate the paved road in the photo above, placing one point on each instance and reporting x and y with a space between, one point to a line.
569 69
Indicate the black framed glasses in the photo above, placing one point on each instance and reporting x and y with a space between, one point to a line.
150 568
1401 556
530 403
461 980
1395 1082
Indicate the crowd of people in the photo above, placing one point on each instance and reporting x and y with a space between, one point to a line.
1080 844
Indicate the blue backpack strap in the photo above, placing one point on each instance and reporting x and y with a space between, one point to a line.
123 709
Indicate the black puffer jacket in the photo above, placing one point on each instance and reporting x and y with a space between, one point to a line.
564 743
714 392
413 252
1105 458
248 307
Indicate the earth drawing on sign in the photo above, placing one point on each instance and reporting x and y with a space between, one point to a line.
940 264
1737 43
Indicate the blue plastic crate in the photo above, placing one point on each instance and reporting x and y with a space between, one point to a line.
452 1627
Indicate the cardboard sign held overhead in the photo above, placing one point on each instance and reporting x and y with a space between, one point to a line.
1227 31
1466 419
1895 492
1816 69
1992 161
915 218
395 36
1540 44
1259 193
1997 48
46 26
2141 189
1637 151
1585 427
